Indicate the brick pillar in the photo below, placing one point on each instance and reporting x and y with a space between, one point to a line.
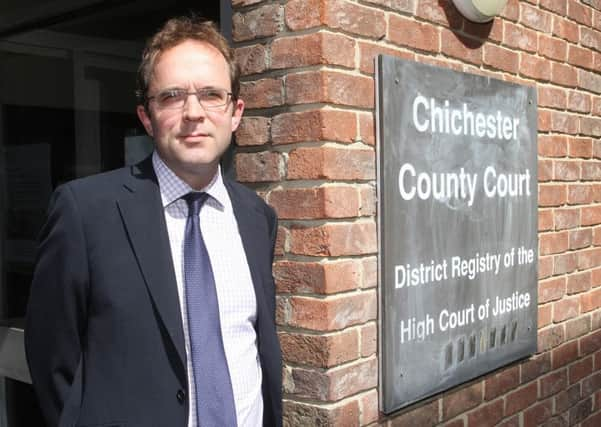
307 145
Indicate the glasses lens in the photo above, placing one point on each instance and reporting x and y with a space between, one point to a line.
171 98
213 98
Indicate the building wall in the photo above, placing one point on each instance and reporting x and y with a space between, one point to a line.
307 145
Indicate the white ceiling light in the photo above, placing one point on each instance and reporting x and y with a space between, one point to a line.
480 10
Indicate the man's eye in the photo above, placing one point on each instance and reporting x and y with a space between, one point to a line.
213 95
170 95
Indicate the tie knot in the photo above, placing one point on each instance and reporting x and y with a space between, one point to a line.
195 201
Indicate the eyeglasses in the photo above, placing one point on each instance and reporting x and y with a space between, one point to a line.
209 98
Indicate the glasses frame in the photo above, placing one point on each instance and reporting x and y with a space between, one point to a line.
221 108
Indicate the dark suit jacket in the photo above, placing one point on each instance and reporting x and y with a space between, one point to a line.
104 337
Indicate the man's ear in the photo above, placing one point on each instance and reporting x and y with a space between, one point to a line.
145 119
237 114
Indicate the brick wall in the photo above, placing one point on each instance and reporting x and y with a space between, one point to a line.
307 145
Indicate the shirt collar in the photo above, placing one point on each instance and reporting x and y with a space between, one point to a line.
173 187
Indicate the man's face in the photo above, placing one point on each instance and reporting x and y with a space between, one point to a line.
191 140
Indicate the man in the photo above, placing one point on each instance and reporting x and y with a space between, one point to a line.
153 300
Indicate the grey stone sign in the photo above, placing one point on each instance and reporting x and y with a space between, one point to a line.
457 227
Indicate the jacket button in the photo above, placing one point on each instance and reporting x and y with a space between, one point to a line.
181 396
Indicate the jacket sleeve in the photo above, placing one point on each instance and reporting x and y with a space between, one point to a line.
56 312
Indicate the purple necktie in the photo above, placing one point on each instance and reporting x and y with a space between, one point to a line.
214 397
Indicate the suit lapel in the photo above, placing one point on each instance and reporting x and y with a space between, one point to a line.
142 212
253 229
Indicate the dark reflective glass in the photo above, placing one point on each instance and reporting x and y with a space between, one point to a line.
67 110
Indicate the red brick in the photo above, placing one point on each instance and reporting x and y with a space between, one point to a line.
262 93
590 126
580 147
558 6
580 369
369 408
564 75
545 315
596 277
369 339
314 203
552 195
535 18
578 327
259 167
566 399
594 420
564 354
553 243
367 132
553 383
370 272
322 351
297 413
597 236
519 37
551 290
545 170
316 125
331 163
511 11
566 218
367 195
264 21
566 309
352 378
253 131
552 145
591 300
580 194
330 87
461 47
334 239
565 263
252 59
332 313
552 48
511 422
591 384
565 29
422 415
368 53
501 59
492 30
589 81
500 383
589 258
535 367
545 267
579 102
545 220
579 282
487 415
534 67
591 215
552 97
581 238
281 241
431 10
596 109
564 122
579 12
321 48
353 18
550 337
520 399
407 32
317 277
302 14
458 401
544 120
581 411
580 57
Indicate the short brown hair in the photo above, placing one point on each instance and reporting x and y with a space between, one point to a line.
178 30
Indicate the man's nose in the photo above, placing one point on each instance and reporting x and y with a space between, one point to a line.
193 109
